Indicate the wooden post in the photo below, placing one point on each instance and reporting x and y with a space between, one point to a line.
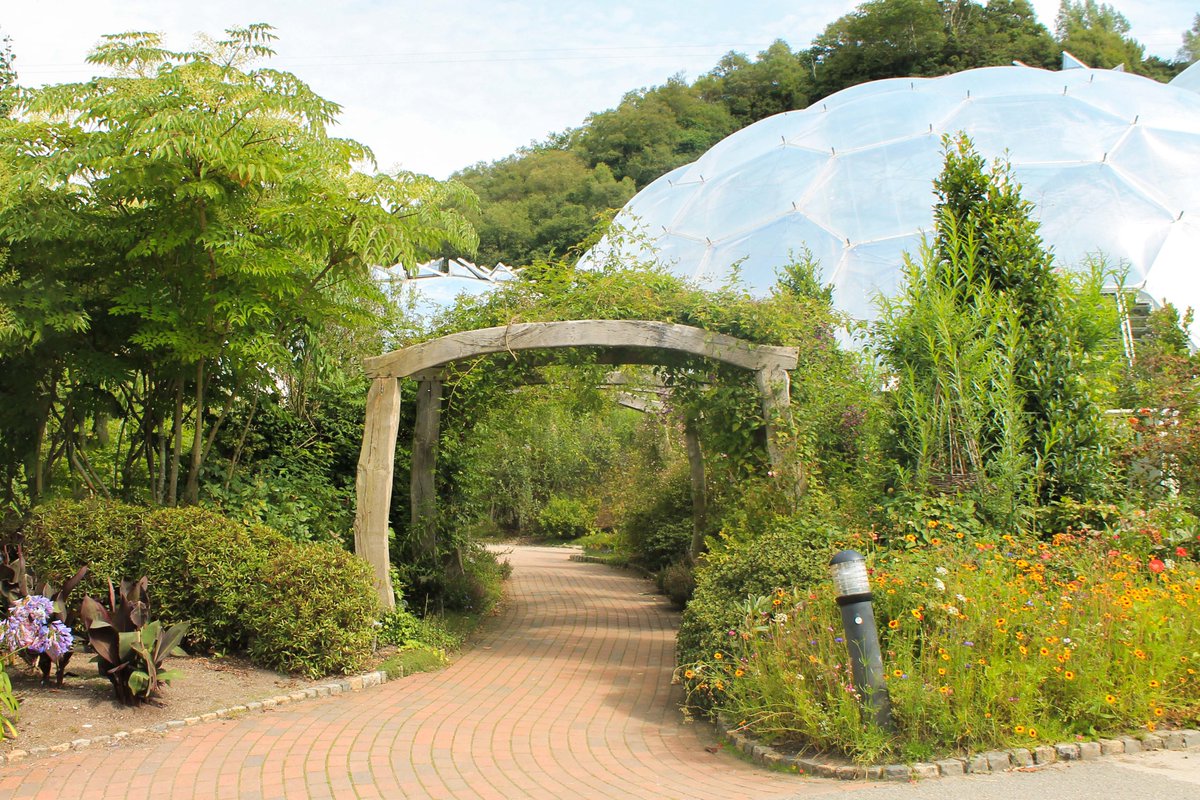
775 387
424 461
373 483
699 489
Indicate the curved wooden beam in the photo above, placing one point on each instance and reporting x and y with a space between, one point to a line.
604 333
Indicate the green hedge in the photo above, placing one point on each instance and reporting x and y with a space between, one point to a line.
228 580
312 606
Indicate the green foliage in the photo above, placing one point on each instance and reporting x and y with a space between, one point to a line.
1161 448
1097 34
991 391
656 523
241 588
758 549
540 203
203 566
565 518
165 258
8 707
678 582
1189 51
902 38
130 647
315 611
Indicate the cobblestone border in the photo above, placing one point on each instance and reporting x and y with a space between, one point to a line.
976 764
331 689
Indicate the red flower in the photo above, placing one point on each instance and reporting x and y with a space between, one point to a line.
1157 566
1179 551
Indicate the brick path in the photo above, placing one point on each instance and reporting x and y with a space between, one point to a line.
566 695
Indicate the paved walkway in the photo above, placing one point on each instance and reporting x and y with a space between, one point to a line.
566 695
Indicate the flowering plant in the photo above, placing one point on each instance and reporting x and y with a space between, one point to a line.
30 626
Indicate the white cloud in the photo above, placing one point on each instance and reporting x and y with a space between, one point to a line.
438 86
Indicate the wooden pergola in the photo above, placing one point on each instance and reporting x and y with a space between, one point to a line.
622 341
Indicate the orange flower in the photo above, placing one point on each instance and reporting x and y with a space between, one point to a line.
894 624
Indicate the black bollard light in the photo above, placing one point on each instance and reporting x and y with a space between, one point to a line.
849 570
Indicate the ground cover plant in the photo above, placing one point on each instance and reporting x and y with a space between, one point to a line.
1009 642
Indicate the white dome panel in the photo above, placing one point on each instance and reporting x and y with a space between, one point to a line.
1109 160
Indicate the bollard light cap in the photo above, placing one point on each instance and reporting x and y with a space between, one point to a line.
849 571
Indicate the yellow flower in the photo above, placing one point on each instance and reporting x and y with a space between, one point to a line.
1108 698
1018 729
1158 712
1069 675
1033 733
689 674
933 523
896 673
935 541
941 670
1024 650
1154 684
894 624
718 656
737 673
1044 651
917 614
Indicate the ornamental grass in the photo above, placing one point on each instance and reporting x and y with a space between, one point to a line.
1007 643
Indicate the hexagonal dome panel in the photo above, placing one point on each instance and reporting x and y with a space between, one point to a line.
1109 160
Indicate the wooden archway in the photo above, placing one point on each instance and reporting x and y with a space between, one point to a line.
628 341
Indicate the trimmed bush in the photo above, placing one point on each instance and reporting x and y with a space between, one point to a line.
241 588
316 611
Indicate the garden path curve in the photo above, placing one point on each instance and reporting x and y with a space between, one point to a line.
566 695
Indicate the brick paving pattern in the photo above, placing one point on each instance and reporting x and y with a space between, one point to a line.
566 695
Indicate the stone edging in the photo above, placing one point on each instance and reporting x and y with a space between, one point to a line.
331 689
979 763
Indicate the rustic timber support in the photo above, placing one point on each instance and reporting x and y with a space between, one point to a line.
424 463
774 386
604 333
699 490
373 483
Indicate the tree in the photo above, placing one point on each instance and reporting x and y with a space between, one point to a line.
539 203
1096 33
653 131
990 387
1189 53
178 233
906 38
777 80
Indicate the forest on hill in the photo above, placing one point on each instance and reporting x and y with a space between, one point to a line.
547 198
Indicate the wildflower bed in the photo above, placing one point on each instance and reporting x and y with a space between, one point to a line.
987 644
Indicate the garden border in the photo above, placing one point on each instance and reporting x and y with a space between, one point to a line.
330 689
992 761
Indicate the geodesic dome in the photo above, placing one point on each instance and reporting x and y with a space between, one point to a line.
435 286
1110 160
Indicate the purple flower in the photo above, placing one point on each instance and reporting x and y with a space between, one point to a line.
30 626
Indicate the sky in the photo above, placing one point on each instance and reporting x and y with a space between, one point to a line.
434 87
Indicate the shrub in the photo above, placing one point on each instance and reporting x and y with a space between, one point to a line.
789 551
677 582
315 612
659 529
203 566
241 588
564 518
